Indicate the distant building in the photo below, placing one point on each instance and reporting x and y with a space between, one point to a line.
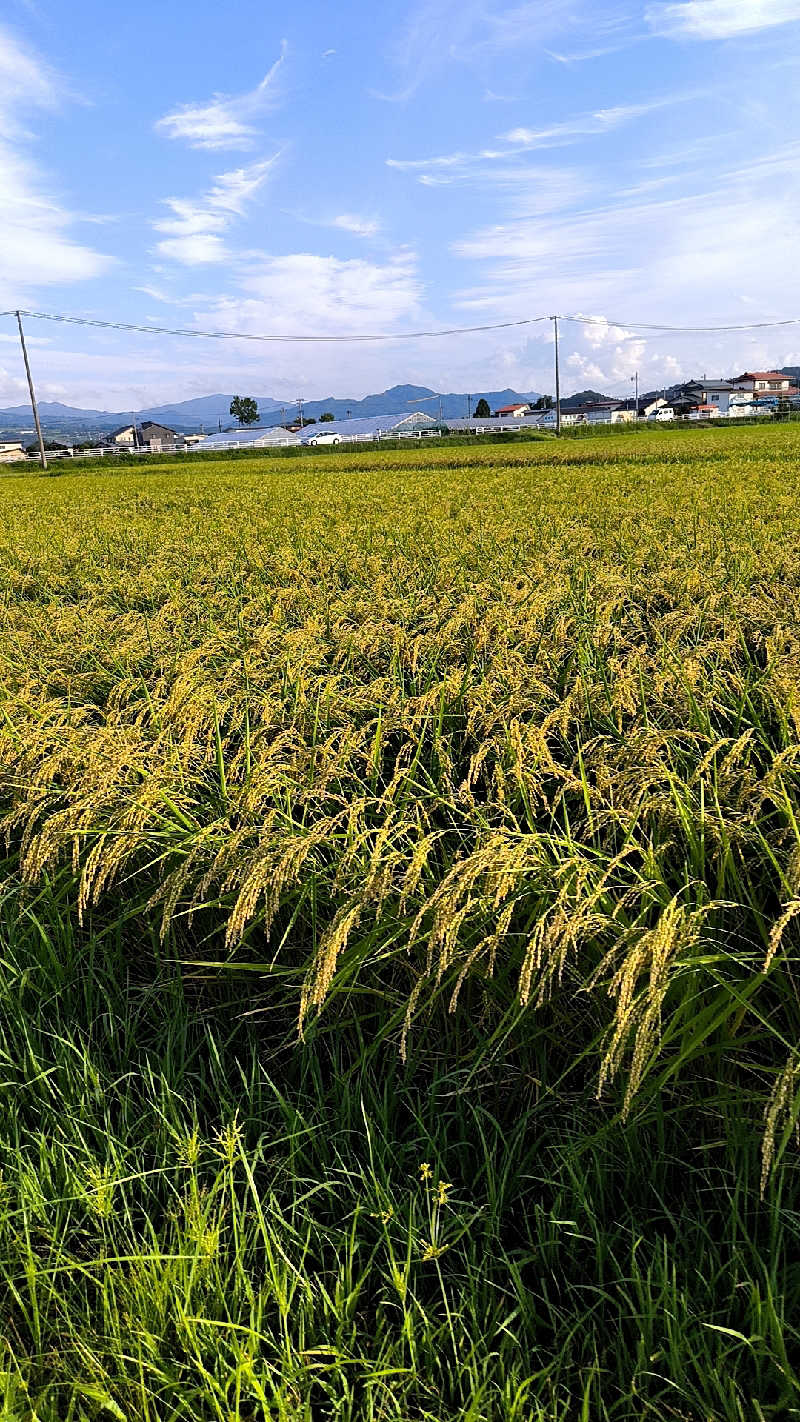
147 435
12 450
124 435
257 438
516 412
370 427
602 412
764 382
373 427
495 424
715 392
549 420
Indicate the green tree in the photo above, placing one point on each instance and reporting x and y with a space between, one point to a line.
545 402
326 418
482 411
244 409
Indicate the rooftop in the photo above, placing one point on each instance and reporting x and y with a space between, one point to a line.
761 375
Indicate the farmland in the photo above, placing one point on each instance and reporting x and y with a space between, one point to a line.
399 935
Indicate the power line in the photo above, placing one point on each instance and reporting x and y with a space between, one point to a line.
681 330
248 336
653 326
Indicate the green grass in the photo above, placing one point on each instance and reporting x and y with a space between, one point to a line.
199 1220
203 1216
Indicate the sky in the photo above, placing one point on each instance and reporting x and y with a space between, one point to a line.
347 169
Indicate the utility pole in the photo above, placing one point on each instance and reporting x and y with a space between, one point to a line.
636 378
300 409
554 320
469 408
34 406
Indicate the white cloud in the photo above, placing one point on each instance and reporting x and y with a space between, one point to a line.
434 34
195 249
655 259
359 226
35 246
25 80
226 121
301 292
524 140
311 294
601 121
193 234
720 19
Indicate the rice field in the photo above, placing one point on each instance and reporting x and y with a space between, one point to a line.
399 935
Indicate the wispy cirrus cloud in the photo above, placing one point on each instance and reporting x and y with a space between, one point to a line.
437 33
193 234
358 226
651 254
556 135
226 120
585 125
720 19
35 243
355 223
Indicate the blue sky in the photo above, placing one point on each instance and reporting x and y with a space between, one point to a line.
351 168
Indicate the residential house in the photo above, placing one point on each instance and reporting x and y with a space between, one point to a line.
515 412
147 435
715 392
12 450
125 435
764 382
155 436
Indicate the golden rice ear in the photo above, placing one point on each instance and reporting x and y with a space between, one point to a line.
782 1108
491 707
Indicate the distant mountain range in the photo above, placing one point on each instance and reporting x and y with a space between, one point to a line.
210 411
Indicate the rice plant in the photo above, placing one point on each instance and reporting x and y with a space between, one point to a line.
460 775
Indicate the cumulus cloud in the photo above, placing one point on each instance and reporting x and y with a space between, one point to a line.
194 231
720 19
225 120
